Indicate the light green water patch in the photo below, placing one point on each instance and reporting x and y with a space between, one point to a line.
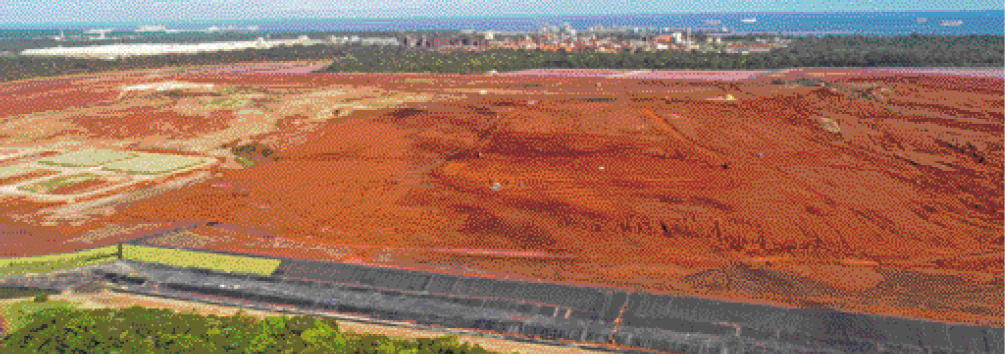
154 164
205 260
48 185
16 170
87 158
48 263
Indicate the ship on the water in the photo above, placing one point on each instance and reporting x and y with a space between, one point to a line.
921 20
749 20
142 29
951 23
713 22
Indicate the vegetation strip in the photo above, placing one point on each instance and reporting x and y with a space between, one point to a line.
47 263
87 158
205 260
52 184
13 293
56 327
860 51
153 164
19 314
354 321
803 52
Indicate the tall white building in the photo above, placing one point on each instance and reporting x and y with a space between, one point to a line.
566 27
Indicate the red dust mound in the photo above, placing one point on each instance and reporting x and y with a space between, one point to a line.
147 121
38 96
828 193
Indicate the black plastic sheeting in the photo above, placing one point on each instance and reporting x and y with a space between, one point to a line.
542 298
995 339
554 311
844 331
835 330
441 283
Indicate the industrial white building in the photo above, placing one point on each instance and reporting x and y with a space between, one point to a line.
116 51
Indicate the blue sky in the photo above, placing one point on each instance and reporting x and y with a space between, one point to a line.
152 11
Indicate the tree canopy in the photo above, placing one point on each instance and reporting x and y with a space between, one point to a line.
145 330
826 51
809 51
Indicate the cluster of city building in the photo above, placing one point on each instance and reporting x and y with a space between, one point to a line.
596 39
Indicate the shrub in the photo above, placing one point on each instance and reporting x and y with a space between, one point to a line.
143 330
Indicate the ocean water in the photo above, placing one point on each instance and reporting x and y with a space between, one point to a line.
840 23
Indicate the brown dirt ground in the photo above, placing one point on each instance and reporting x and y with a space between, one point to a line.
845 196
27 176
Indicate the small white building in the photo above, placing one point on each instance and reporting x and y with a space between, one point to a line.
380 41
115 51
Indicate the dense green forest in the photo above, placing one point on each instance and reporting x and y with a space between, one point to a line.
150 331
828 51
24 67
807 51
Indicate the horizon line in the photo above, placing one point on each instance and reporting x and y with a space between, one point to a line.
138 22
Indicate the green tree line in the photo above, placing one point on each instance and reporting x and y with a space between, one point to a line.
807 51
827 51
143 330
20 67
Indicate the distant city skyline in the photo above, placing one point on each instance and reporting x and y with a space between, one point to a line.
26 12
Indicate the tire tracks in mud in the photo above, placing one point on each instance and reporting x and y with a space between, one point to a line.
676 134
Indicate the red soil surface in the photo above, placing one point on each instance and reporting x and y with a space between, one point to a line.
989 73
569 72
37 96
698 75
875 194
27 176
641 74
147 121
261 68
20 239
270 69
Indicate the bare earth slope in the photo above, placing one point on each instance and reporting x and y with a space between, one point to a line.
866 192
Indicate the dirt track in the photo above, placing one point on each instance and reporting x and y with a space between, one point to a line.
878 193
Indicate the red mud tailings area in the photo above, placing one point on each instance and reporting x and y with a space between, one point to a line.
582 73
699 75
872 194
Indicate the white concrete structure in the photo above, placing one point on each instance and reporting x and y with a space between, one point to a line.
167 86
380 41
142 29
678 37
100 32
116 51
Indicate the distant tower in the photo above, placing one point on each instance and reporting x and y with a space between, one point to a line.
566 27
